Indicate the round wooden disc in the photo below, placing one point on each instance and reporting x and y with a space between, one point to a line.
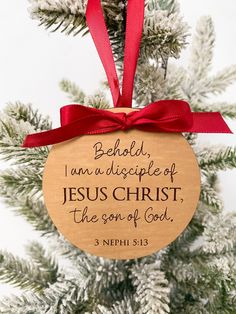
124 194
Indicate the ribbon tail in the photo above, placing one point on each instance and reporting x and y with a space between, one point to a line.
67 132
208 122
48 137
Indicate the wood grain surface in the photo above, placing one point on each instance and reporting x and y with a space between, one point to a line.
122 195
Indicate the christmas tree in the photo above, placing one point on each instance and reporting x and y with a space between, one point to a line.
194 274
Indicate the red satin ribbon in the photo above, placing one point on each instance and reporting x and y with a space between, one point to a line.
133 35
161 116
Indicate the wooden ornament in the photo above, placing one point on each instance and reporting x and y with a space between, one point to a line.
122 195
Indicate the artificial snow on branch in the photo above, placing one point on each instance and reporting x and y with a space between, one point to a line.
24 274
73 91
164 32
214 159
152 288
202 49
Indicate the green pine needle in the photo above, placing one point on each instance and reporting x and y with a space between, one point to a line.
222 159
22 273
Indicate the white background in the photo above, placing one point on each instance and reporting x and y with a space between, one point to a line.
33 61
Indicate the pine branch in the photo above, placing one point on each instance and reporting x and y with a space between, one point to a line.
22 198
43 261
212 263
65 249
20 184
75 94
171 6
173 82
25 304
16 122
22 190
23 181
22 274
151 84
152 291
33 210
198 85
69 296
126 306
209 196
164 35
37 215
202 48
97 280
106 280
191 138
98 100
196 282
226 303
215 242
164 32
68 16
190 280
197 91
213 181
62 297
220 160
102 310
218 83
178 248
21 112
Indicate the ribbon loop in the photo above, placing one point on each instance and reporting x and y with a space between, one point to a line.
98 31
97 27
133 37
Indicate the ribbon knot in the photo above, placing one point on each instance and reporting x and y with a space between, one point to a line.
160 116
125 121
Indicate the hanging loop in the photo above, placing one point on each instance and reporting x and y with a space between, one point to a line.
134 25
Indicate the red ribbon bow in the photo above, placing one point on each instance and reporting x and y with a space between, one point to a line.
160 116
